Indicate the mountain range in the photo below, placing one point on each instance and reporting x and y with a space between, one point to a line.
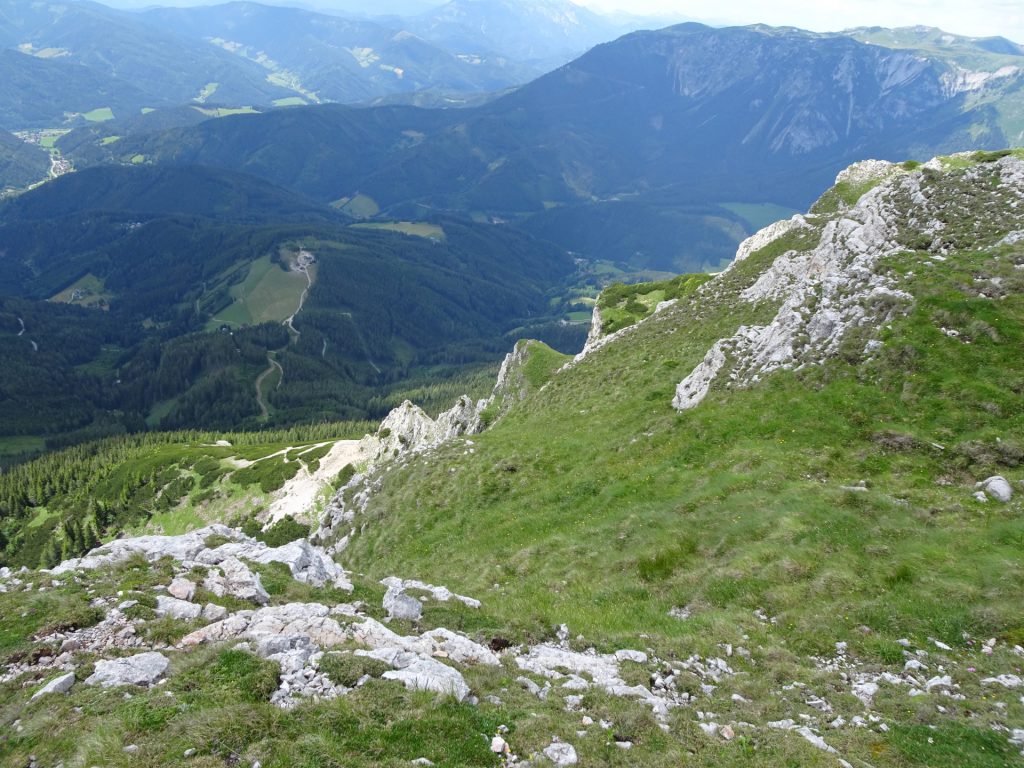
543 34
190 296
647 156
244 54
559 397
327 58
689 129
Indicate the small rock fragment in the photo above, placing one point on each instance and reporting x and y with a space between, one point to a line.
399 605
997 487
182 588
561 754
60 684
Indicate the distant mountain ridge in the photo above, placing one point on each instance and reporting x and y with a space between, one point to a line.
544 33
662 121
329 58
167 67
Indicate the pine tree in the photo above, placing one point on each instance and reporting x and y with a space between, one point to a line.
77 539
49 556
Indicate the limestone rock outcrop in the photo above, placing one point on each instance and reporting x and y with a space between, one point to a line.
834 288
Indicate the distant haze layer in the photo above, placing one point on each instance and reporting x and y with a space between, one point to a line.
982 18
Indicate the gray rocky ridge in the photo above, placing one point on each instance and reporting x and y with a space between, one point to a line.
408 430
832 289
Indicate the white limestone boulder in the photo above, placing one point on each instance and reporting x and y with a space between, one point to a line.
143 669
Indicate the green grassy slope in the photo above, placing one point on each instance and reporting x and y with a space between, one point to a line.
595 504
59 505
196 268
822 506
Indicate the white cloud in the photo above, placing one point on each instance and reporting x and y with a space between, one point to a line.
980 18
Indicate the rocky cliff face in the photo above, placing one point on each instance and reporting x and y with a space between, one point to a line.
408 430
837 287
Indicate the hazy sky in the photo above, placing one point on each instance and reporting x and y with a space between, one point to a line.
976 18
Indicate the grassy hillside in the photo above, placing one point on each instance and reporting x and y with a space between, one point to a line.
801 555
63 504
836 499
196 297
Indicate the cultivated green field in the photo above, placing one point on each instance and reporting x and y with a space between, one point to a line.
414 228
268 294
48 138
290 101
207 91
87 291
99 115
360 206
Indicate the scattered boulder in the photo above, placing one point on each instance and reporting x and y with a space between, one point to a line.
310 620
560 753
236 579
637 657
443 642
399 605
1007 681
60 684
153 548
182 588
143 669
213 612
814 739
865 691
308 564
997 487
177 609
420 673
441 594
